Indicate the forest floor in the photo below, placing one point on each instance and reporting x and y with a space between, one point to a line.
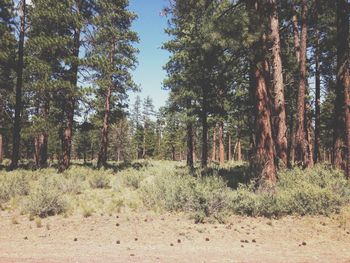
150 237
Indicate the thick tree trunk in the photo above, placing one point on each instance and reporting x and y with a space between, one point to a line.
19 84
343 72
300 136
221 143
70 103
265 153
279 119
317 151
213 156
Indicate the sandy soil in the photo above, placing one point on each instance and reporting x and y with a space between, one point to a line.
171 238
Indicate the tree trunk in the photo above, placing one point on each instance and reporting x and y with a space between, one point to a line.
280 126
213 157
317 152
204 159
19 84
1 149
239 150
229 156
300 141
221 143
296 38
102 156
70 103
264 141
343 72
36 151
190 151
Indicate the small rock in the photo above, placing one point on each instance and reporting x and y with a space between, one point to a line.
146 220
246 241
117 224
254 241
132 255
242 241
75 239
25 238
136 239
118 242
242 246
179 241
348 232
171 244
207 239
304 243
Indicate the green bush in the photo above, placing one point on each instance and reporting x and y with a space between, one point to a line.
319 190
45 199
208 197
13 184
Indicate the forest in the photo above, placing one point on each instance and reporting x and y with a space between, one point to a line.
254 137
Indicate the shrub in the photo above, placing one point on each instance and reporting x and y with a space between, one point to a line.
99 180
13 184
207 197
314 191
45 199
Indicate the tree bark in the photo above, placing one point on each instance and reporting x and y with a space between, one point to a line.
190 151
19 85
239 150
265 152
213 156
102 156
67 136
343 72
317 153
221 143
296 39
1 149
229 156
300 136
204 159
280 126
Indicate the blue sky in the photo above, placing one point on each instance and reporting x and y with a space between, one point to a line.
150 26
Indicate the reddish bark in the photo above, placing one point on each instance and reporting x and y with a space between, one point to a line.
221 144
213 155
300 136
343 72
1 148
279 118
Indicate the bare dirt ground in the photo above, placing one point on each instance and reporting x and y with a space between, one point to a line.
135 237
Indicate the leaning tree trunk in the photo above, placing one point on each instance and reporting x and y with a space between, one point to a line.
221 143
300 141
279 118
343 72
19 84
69 104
